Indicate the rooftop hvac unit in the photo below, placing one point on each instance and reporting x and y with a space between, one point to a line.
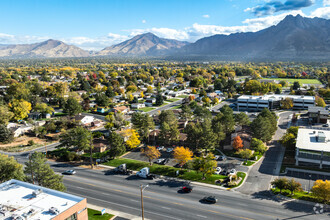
36 192
54 211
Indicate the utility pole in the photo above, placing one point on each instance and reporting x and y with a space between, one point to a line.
31 168
142 188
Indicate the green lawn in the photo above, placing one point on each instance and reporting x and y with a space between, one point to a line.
96 215
165 170
147 109
248 163
301 81
183 96
172 100
298 195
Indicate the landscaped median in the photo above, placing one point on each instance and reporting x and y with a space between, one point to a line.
303 195
164 170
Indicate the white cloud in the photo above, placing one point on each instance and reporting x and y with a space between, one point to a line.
321 13
144 21
191 33
206 16
326 2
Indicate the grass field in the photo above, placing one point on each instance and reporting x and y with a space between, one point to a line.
172 100
147 109
301 81
96 215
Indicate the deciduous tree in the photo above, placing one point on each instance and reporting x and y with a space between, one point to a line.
182 155
5 115
293 186
151 153
10 169
245 154
204 165
287 103
6 135
132 138
258 145
238 143
280 183
20 108
321 190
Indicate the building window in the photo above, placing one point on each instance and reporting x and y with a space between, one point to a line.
72 217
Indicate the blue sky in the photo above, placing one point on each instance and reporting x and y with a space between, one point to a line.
95 24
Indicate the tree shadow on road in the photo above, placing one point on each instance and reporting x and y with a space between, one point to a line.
171 183
267 195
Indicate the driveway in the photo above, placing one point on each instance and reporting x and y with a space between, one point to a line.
262 173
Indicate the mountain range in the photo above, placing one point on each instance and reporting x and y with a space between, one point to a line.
294 38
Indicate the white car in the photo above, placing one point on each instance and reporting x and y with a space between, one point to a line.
216 157
69 172
169 149
217 170
232 172
160 148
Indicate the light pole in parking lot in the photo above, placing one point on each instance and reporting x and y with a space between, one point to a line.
309 182
142 187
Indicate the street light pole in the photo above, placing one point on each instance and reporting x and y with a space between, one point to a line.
309 183
142 188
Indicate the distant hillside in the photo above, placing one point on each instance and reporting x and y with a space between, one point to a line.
144 44
49 48
294 38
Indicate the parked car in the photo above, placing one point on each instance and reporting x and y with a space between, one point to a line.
232 171
160 148
169 149
325 125
69 172
222 158
217 170
216 157
210 199
186 189
160 160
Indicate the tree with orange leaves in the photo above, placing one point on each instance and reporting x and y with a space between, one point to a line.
238 143
182 155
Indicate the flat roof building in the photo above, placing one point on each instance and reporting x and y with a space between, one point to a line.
257 103
313 147
20 200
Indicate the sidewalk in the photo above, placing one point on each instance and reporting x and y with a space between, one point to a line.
117 215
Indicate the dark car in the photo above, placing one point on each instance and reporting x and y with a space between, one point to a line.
69 172
165 161
209 199
186 189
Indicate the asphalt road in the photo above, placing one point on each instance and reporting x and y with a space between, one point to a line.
162 200
165 107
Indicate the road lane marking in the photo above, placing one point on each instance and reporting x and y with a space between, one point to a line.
220 213
134 200
165 207
79 187
125 206
201 216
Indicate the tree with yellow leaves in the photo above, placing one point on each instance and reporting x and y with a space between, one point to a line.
321 190
141 94
20 108
151 153
132 138
182 155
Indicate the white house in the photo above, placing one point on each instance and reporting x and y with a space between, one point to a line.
84 119
137 105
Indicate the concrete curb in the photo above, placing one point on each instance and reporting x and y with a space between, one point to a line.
246 176
115 213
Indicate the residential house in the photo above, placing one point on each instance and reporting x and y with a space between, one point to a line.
137 105
100 144
123 109
150 102
21 130
85 120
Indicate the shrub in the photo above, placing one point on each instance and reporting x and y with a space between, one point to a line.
31 143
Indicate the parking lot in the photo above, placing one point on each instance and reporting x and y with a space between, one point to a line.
229 163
